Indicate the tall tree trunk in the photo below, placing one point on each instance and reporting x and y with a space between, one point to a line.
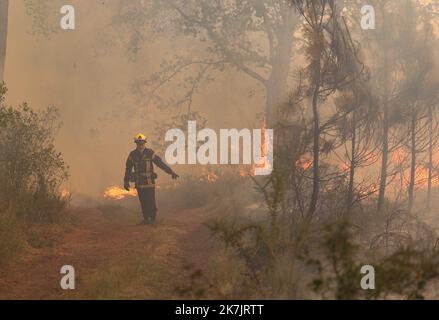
430 155
385 143
350 199
316 153
4 6
385 95
280 56
384 159
411 187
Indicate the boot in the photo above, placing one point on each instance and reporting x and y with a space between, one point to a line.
151 221
143 222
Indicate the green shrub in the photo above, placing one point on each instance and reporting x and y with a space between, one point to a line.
31 170
405 273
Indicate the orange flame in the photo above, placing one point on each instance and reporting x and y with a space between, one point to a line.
421 177
63 193
209 176
304 162
117 193
212 177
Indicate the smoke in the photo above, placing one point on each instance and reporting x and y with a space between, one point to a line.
89 77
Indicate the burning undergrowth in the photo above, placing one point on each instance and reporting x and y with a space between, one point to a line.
213 189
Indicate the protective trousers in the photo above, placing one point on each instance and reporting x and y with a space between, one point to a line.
147 202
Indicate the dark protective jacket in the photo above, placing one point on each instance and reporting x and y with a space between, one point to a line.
143 165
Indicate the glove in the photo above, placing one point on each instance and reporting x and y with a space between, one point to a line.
174 176
126 186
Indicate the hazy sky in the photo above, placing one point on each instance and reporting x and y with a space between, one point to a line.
86 78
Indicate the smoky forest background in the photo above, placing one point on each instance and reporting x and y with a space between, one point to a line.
355 178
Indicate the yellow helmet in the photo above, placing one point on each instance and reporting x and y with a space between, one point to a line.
140 137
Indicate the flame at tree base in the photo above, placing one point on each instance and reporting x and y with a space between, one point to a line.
117 193
64 194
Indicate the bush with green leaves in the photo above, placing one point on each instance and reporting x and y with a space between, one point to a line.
405 273
31 170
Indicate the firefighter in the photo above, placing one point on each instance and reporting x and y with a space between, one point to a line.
142 160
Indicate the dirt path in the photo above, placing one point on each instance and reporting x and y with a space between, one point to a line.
114 259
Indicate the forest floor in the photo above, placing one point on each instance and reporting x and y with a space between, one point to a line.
114 258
